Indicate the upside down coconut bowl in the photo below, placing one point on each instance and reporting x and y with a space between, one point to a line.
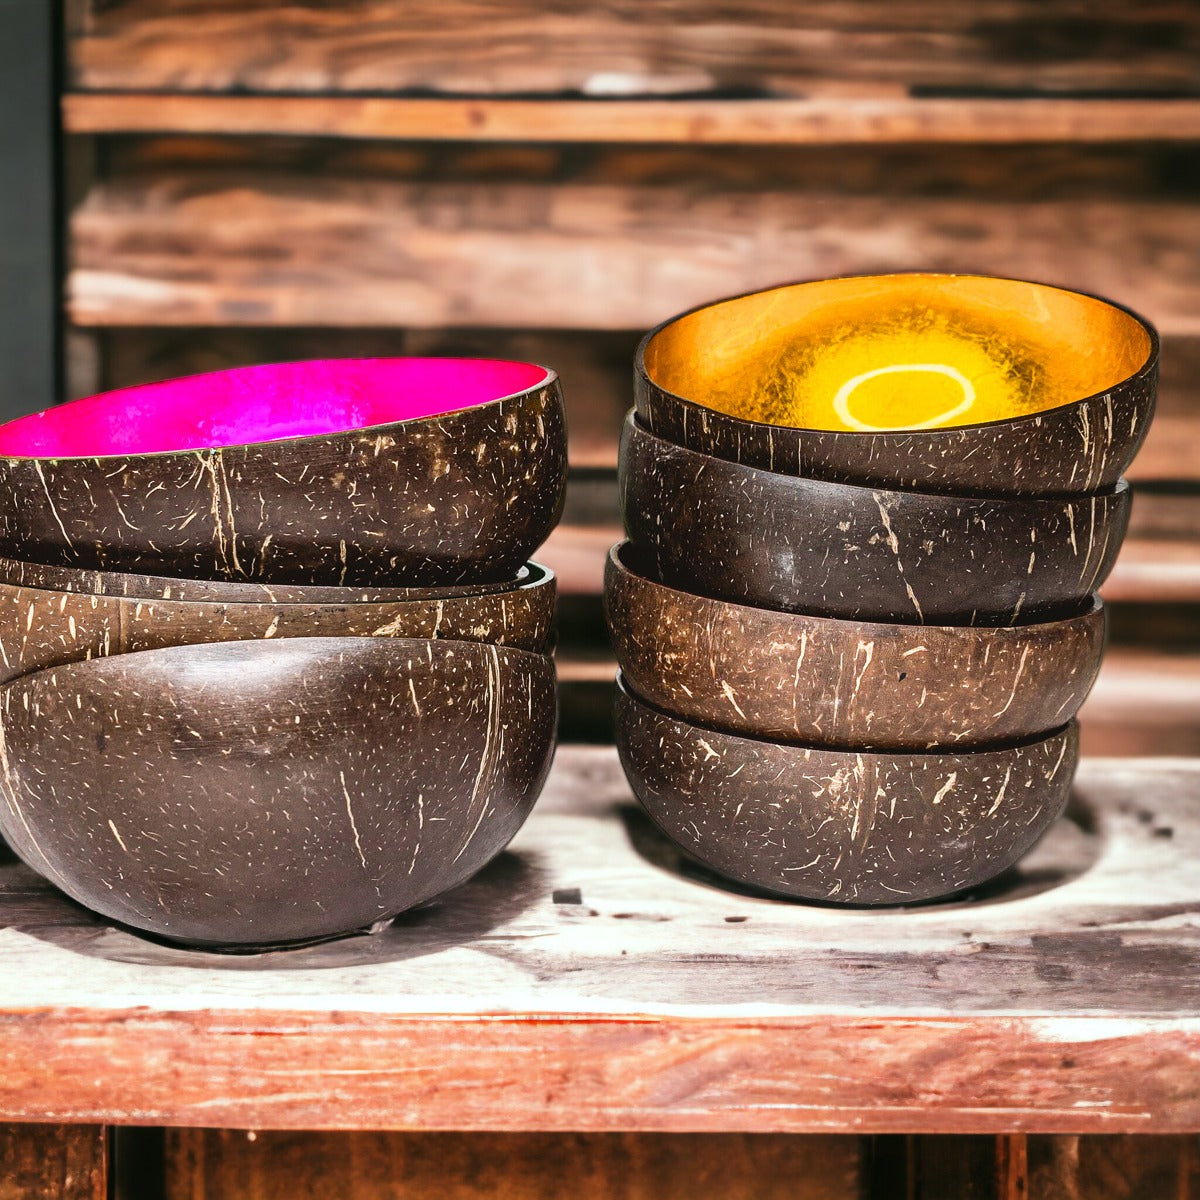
417 472
273 792
833 549
46 627
957 383
861 684
845 826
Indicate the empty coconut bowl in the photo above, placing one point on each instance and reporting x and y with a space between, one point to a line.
956 383
826 682
44 627
833 549
361 471
259 793
847 826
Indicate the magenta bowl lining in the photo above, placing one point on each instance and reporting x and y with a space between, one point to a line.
265 404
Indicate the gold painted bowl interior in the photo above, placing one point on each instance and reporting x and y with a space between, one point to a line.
896 352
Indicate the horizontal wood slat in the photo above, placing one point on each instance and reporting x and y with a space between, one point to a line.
633 46
214 248
697 122
1138 170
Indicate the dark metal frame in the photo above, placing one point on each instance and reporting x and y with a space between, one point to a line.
31 370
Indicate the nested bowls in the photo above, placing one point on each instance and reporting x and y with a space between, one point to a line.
832 549
74 614
954 383
841 683
218 794
359 472
843 825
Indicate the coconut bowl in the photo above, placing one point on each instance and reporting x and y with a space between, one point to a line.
847 826
46 628
841 683
87 581
956 383
421 472
263 793
832 549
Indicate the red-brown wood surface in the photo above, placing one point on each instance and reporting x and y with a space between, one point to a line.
811 122
354 1071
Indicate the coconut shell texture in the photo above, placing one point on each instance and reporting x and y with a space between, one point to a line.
839 825
48 577
41 628
256 793
858 684
460 498
801 545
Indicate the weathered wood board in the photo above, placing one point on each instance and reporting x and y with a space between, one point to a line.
714 122
630 47
203 247
590 979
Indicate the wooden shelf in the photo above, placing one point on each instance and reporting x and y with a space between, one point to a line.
589 979
813 122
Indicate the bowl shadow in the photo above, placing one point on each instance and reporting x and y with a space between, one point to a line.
509 885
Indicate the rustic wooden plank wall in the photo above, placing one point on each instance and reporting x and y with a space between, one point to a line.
626 47
497 177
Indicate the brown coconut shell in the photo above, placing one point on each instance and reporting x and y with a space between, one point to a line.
453 499
861 684
41 628
832 549
845 826
1083 446
256 793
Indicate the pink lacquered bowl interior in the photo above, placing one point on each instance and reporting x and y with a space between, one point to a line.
264 404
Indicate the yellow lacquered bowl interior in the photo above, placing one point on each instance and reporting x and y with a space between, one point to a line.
897 352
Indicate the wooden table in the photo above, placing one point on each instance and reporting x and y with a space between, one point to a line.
591 980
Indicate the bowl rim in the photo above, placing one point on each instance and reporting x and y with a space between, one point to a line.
273 646
1094 611
626 695
642 379
550 381
788 480
530 576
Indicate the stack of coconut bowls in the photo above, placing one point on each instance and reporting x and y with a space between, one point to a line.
856 614
274 664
